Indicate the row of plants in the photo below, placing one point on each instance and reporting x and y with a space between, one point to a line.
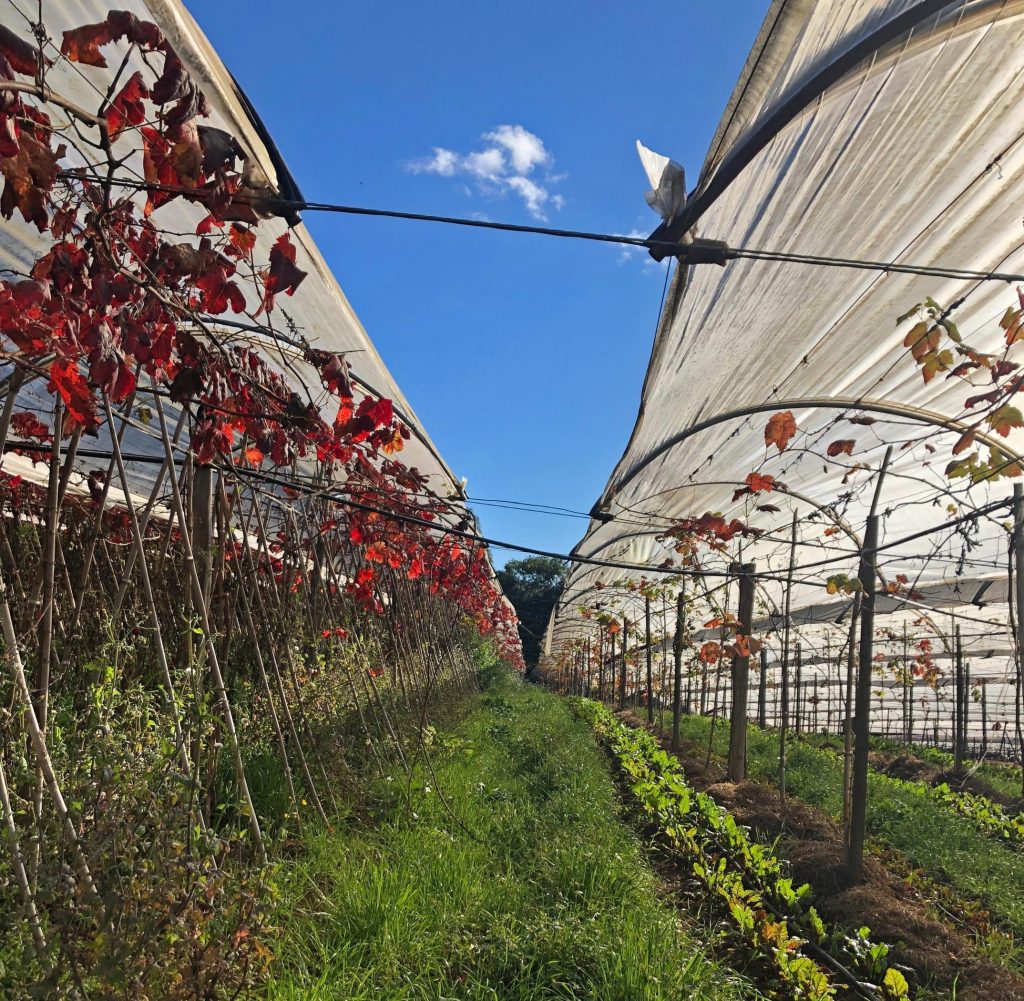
903 816
774 918
987 815
1003 776
191 681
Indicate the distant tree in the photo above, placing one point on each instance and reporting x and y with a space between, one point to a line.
533 586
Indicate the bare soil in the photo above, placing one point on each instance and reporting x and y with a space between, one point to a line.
940 953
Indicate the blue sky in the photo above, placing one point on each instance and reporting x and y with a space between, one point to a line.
523 355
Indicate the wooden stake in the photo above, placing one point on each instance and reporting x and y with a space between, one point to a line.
859 796
650 678
741 678
677 662
959 730
762 691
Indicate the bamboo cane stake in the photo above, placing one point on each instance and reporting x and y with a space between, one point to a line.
222 694
14 846
38 741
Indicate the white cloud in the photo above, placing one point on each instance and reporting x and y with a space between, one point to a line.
525 150
443 162
531 193
488 164
502 166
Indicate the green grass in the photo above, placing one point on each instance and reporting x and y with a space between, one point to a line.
900 815
549 896
1001 776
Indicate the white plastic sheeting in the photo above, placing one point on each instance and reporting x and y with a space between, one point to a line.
319 310
912 154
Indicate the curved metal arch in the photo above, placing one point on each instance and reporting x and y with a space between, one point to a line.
839 522
836 520
825 509
886 407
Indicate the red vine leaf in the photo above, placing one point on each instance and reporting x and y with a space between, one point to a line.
922 338
1005 419
28 176
210 439
218 292
242 240
157 167
127 108
74 391
82 45
964 442
1011 323
220 149
27 425
283 275
176 84
755 483
844 446
760 482
972 401
710 653
334 371
744 646
21 54
780 429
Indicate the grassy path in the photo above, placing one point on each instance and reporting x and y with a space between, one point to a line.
539 891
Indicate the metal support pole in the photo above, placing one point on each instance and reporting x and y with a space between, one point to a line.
1018 610
798 691
202 524
784 671
984 719
1018 600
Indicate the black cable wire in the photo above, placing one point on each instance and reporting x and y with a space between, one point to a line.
295 483
474 537
708 251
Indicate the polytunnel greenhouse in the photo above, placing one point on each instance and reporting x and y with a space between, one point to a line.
267 727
